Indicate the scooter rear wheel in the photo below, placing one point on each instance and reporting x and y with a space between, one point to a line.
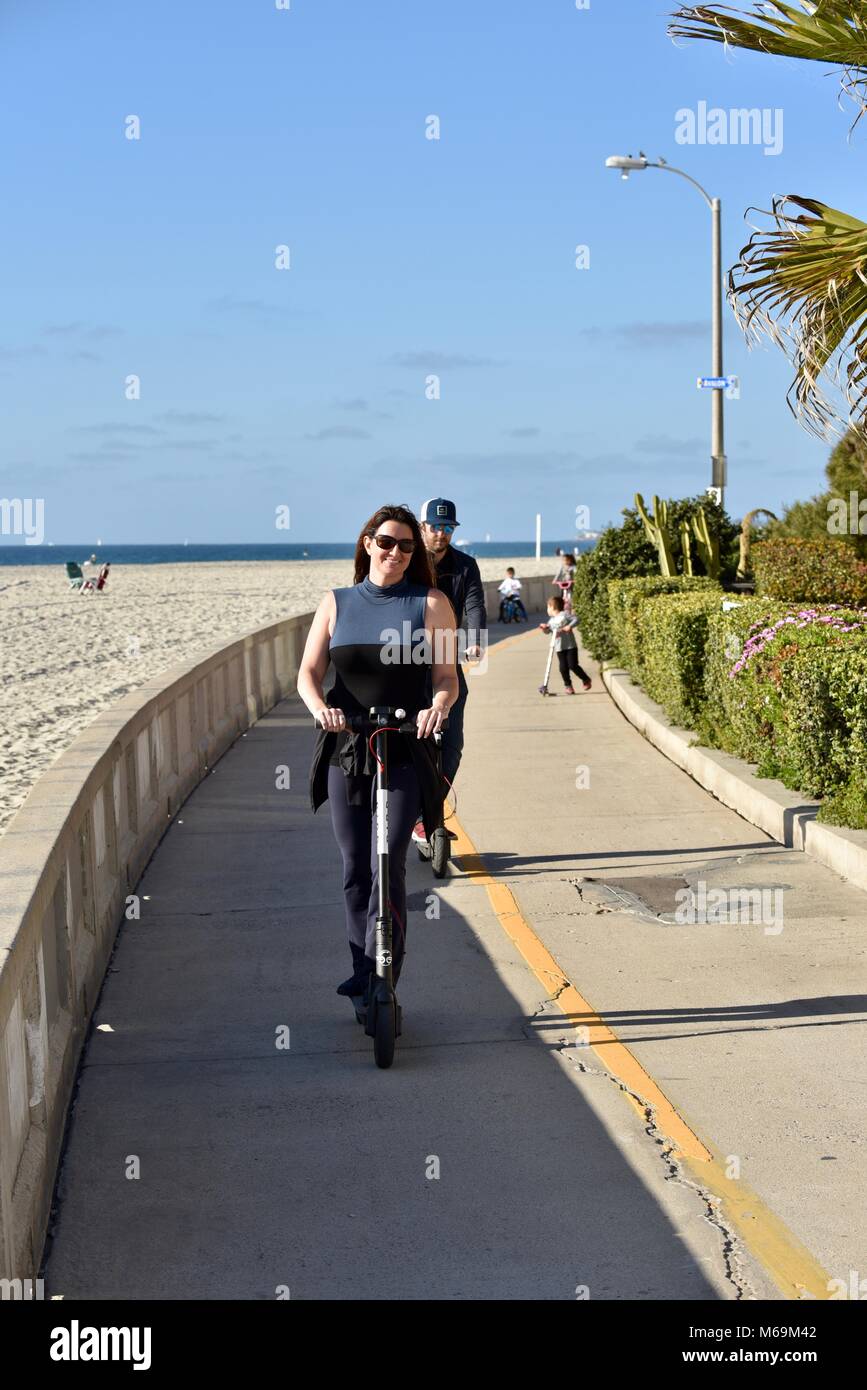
440 851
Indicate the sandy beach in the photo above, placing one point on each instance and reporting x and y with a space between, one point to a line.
66 656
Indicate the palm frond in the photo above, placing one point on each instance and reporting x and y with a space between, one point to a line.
802 282
822 31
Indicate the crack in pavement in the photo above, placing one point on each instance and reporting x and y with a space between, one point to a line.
730 1248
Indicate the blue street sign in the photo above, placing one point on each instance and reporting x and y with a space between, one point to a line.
716 383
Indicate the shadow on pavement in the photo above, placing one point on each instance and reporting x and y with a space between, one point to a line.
261 1166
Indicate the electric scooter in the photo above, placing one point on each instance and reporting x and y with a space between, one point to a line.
381 1014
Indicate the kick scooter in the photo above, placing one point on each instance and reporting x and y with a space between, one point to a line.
565 587
543 688
381 1014
437 850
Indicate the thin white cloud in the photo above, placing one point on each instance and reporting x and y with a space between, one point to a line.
431 361
339 432
190 417
664 444
111 428
649 335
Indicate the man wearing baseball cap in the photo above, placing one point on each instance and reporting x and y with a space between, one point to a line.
457 575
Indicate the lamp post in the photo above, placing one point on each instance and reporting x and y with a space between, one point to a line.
627 165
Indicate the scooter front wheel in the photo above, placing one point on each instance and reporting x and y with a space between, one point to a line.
384 1029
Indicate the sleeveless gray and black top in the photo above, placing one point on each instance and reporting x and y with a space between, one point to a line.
380 655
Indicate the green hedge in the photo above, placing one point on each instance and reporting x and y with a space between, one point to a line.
626 600
675 630
796 570
781 685
777 679
820 744
619 552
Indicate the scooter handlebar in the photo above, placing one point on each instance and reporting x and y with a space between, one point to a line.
361 723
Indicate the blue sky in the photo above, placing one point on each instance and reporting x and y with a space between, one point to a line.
306 387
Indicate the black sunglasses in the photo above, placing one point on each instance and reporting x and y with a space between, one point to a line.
389 542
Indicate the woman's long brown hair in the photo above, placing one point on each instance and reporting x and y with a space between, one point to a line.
419 570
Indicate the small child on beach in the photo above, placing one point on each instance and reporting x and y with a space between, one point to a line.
565 644
511 588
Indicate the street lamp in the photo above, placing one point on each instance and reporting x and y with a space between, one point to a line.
628 165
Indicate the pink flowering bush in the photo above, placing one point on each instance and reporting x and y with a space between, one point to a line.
732 714
784 690
805 617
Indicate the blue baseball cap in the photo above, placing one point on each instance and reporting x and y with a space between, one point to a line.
438 511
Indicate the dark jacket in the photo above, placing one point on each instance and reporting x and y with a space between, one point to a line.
459 578
356 760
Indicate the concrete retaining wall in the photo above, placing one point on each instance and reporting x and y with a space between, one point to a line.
535 592
69 860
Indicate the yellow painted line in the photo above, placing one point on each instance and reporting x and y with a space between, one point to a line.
791 1266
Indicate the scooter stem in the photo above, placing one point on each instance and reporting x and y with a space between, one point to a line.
383 966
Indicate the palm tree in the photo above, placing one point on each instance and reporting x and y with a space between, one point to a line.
801 280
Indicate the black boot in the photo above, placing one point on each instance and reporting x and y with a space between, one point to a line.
358 989
362 966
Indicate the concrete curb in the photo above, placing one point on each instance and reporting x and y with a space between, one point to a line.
784 815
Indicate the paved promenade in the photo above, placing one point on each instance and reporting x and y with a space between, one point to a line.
501 1157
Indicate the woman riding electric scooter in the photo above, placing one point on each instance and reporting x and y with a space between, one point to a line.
374 633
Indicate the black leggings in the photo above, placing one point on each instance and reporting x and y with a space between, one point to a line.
568 661
355 832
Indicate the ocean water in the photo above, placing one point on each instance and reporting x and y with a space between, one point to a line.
192 554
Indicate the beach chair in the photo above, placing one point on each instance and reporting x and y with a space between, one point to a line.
74 574
95 582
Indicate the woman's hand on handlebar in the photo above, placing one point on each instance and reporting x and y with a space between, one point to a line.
430 720
331 719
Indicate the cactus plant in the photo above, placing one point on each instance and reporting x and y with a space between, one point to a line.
657 532
686 547
708 545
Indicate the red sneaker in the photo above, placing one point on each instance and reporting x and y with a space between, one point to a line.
418 833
